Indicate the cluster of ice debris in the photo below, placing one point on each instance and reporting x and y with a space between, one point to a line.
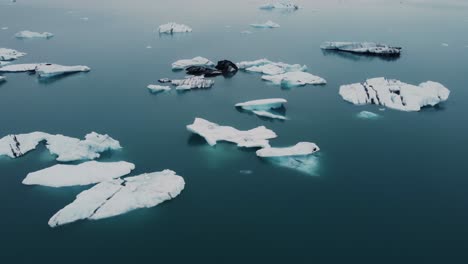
368 48
171 28
395 94
298 157
44 70
268 24
65 148
264 107
368 115
280 5
31 34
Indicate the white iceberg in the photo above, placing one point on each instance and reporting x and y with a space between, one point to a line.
362 48
192 82
26 67
367 115
158 88
172 27
291 79
10 54
197 61
268 24
120 196
31 34
300 149
268 67
280 5
257 137
46 70
395 94
65 148
262 107
86 173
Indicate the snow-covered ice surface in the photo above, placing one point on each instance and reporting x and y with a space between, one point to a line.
197 61
395 94
291 79
300 149
19 67
268 67
65 148
257 137
119 196
46 70
86 173
268 24
31 34
279 5
370 48
10 54
158 88
368 115
263 107
172 27
192 82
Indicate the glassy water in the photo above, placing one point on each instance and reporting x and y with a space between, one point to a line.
392 190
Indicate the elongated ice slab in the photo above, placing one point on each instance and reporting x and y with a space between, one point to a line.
300 149
268 24
367 115
197 61
362 48
10 54
27 67
158 88
280 5
172 27
31 34
50 70
257 137
66 148
82 174
119 196
263 107
192 82
291 79
395 94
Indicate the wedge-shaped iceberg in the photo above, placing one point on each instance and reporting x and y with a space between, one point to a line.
268 67
197 61
263 107
279 5
299 157
66 148
10 54
257 137
193 82
120 196
395 94
367 115
291 79
82 174
158 88
46 70
171 28
268 24
369 48
31 34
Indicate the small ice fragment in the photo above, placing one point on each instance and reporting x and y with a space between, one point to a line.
368 115
84 18
246 32
172 27
445 44
4 28
149 47
158 88
10 54
268 24
193 82
31 34
197 61
246 172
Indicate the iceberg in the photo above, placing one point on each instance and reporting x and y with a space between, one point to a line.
395 94
291 79
158 88
27 67
300 149
86 173
65 148
10 54
268 24
367 115
46 70
262 107
369 48
268 67
257 137
31 34
197 61
172 27
192 82
279 5
120 196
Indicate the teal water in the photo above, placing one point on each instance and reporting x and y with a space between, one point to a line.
392 190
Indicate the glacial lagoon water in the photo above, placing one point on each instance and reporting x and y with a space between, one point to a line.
392 190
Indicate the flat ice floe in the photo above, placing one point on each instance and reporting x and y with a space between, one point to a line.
158 88
31 34
192 82
86 173
291 79
119 196
369 48
395 94
263 107
279 5
300 149
367 115
257 137
268 24
10 54
268 67
44 70
197 61
65 148
172 27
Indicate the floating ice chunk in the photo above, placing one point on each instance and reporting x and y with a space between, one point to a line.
28 67
172 27
300 149
66 148
279 5
246 32
244 65
46 70
370 48
197 61
158 88
82 174
193 82
120 196
268 67
268 114
84 18
257 137
31 34
149 47
367 115
10 54
395 94
291 79
445 45
4 28
268 24
2 79
262 107
246 172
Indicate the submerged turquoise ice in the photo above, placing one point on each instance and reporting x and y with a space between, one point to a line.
390 191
